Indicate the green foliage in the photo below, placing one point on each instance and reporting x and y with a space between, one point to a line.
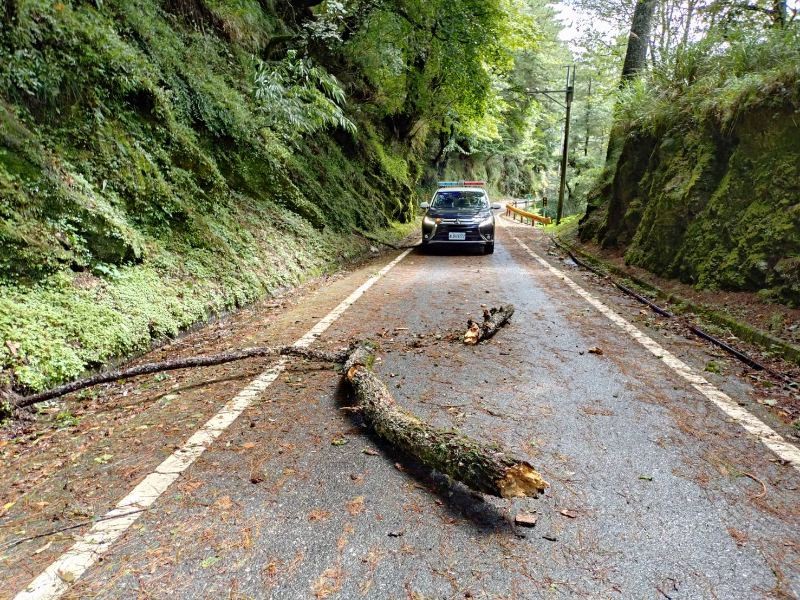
713 366
299 96
715 80
705 184
65 419
146 185
511 143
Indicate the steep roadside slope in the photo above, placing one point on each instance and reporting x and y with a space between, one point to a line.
141 189
705 186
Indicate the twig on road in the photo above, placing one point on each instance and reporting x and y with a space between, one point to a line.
18 541
757 480
18 402
377 240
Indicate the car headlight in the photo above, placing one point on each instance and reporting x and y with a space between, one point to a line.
426 220
487 222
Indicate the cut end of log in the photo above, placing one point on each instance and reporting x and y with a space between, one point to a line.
473 334
493 320
522 481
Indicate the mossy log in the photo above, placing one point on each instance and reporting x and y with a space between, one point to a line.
486 468
171 365
493 319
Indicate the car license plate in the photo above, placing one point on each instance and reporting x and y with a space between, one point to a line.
457 236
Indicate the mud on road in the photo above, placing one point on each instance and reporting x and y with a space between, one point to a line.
654 492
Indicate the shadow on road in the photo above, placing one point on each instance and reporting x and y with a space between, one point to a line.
450 250
458 500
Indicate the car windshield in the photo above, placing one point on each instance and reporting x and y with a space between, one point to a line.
460 199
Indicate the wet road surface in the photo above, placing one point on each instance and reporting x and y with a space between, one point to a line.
655 493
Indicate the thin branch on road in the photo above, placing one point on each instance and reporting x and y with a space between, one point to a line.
757 480
18 402
377 240
30 538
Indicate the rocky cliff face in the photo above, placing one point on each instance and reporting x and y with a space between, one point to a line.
716 207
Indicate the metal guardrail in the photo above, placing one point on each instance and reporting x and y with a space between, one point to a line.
513 211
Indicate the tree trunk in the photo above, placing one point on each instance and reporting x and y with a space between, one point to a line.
638 39
779 13
10 10
486 468
588 119
635 59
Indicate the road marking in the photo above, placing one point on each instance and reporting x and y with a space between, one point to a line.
70 566
752 424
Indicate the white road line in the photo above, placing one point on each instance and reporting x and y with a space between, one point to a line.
66 569
752 424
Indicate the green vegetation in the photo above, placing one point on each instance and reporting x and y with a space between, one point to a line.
703 177
148 183
162 162
66 419
713 366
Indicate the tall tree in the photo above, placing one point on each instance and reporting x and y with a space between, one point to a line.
638 39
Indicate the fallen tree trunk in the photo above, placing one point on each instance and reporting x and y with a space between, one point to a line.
171 365
483 467
493 320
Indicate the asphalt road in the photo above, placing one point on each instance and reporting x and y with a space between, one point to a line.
655 492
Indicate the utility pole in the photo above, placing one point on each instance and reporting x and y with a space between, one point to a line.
588 119
569 93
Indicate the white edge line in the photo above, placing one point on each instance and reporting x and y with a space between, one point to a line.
752 424
56 579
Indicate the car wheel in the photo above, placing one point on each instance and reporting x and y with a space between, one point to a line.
489 248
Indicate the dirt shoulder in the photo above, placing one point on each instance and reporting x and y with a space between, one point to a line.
742 320
748 308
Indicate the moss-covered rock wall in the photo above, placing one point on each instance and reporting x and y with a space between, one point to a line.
142 188
718 207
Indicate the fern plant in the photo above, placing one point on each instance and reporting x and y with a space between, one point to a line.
298 96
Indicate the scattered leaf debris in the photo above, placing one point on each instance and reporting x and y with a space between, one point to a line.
356 506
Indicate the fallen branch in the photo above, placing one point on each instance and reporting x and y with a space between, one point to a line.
17 401
483 467
757 480
493 320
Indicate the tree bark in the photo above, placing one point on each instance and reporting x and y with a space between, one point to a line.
638 39
635 60
493 319
171 365
486 468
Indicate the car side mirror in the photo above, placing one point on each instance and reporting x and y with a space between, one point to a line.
424 205
495 206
